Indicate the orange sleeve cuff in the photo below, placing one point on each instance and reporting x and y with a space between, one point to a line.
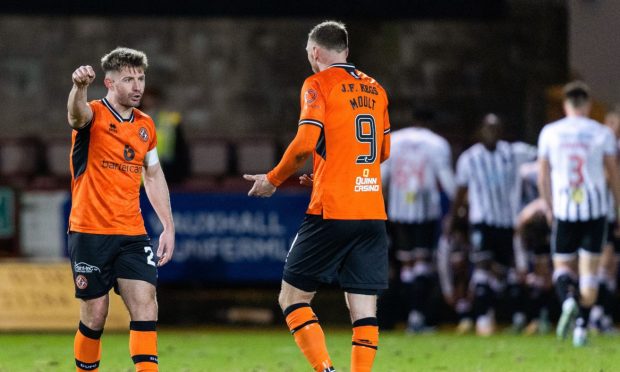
296 154
273 180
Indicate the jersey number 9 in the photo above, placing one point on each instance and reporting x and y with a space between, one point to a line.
365 132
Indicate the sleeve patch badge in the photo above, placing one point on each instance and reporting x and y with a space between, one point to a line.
310 96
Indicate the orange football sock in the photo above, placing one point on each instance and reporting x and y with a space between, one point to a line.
87 348
143 345
365 343
304 326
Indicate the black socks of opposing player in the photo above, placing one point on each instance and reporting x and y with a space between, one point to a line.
566 286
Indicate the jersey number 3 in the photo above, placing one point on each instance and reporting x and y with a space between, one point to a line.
576 163
365 132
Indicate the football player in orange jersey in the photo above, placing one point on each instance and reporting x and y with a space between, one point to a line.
113 147
344 124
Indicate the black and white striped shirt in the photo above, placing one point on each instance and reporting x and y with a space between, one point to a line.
575 148
491 178
419 160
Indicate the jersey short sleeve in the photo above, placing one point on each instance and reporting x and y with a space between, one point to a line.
312 104
609 144
443 154
524 152
462 171
153 137
543 144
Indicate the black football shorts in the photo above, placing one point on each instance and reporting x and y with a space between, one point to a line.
98 260
492 243
414 239
352 253
570 237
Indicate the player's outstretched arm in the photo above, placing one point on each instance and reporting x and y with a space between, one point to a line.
159 197
79 112
261 187
293 159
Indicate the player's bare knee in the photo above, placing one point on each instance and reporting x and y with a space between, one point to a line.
143 309
94 320
290 295
93 312
361 306
289 298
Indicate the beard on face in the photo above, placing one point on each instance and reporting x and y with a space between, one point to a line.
128 102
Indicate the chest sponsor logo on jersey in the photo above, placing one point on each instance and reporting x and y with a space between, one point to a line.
129 154
126 168
112 128
366 183
144 134
84 268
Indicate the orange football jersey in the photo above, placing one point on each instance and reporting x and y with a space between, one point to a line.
106 164
351 110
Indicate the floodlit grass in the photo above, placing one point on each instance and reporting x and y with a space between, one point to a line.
257 350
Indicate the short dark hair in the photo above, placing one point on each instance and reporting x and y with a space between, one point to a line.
122 57
577 93
331 35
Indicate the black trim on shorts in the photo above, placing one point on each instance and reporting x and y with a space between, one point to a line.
299 282
94 295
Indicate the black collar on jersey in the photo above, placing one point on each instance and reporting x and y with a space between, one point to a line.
348 67
116 114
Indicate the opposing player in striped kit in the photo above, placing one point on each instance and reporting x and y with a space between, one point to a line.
487 175
601 317
575 155
420 161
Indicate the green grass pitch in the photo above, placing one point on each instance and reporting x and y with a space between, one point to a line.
257 350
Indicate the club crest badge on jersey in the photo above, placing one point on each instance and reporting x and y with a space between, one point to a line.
144 134
310 96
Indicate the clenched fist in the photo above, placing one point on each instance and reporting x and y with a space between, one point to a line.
83 76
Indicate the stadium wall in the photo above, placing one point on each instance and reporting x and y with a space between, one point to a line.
234 76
